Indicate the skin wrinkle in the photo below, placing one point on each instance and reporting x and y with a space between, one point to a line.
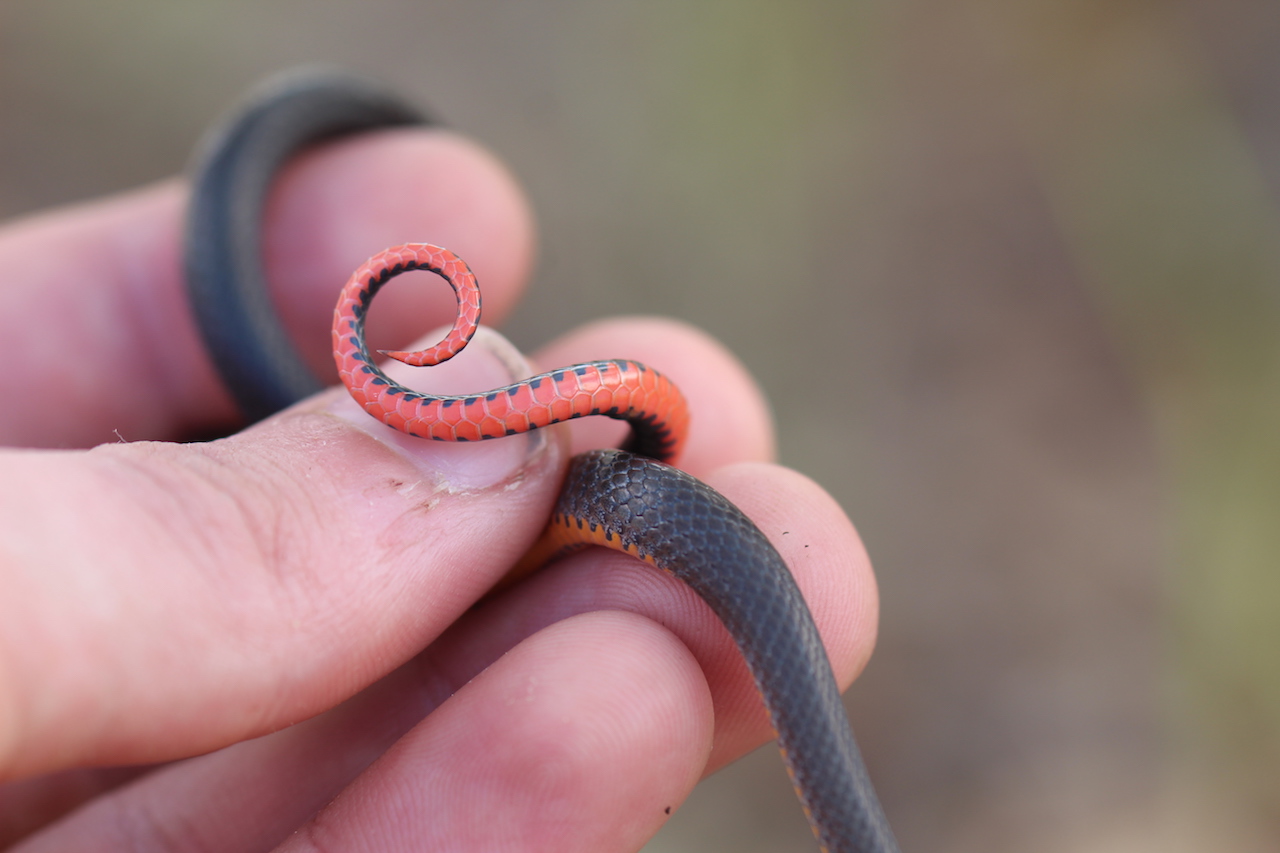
272 505
402 535
398 536
302 581
392 539
266 500
203 489
146 487
208 545
217 544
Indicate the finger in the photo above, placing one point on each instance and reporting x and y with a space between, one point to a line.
586 737
251 793
128 563
163 600
729 418
810 532
109 345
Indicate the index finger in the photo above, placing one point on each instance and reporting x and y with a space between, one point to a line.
107 344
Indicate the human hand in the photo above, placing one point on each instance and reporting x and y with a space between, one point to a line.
163 601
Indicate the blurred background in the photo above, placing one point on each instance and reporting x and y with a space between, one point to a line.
1028 334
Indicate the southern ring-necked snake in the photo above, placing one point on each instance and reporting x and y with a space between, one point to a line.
626 499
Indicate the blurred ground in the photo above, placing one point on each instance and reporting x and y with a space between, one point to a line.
1031 348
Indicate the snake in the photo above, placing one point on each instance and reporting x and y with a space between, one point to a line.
631 499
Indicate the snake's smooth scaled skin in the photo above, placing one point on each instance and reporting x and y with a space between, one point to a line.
624 499
223 254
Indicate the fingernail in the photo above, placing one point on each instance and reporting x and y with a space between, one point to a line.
490 361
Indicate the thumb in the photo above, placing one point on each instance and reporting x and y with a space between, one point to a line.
164 600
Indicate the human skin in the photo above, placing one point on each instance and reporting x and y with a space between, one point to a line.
235 644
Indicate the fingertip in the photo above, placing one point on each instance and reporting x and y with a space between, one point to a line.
823 550
337 205
730 420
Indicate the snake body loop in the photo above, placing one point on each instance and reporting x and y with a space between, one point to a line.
223 254
624 500
627 390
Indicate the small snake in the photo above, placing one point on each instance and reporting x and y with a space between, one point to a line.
629 499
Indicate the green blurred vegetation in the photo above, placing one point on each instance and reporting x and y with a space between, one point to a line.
1169 214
